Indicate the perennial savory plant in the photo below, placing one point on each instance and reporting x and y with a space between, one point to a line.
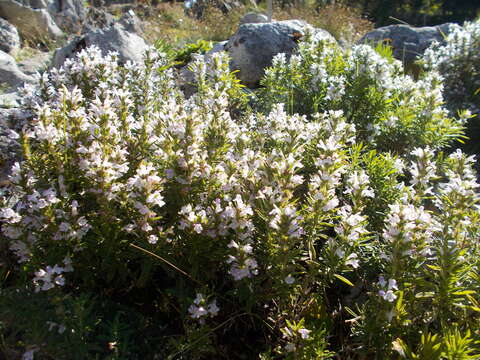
458 62
317 218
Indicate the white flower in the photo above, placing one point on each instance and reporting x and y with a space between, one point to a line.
129 227
304 333
389 285
388 295
340 253
353 261
392 284
289 280
200 308
213 309
331 204
29 354
10 215
198 228
197 312
153 239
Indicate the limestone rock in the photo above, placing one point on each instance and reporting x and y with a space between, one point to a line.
71 15
197 8
36 63
408 42
10 74
97 19
9 38
128 45
253 18
10 100
253 46
33 24
131 22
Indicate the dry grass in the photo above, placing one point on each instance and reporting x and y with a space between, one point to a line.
345 23
169 23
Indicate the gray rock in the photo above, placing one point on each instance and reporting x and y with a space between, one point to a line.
10 100
408 42
131 22
253 46
50 5
9 38
33 24
70 15
35 63
97 19
253 18
128 45
10 74
197 8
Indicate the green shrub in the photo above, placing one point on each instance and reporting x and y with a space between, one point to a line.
141 224
390 110
458 62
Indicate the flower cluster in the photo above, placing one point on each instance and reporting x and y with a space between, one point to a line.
46 279
387 289
127 185
369 88
458 62
201 309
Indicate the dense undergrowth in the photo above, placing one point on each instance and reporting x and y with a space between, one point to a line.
317 218
458 62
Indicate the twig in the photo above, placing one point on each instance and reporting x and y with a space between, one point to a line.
400 21
165 261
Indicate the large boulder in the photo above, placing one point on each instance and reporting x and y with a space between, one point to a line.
198 8
253 46
129 46
10 74
253 18
131 22
50 5
34 64
9 38
97 19
408 42
33 24
70 15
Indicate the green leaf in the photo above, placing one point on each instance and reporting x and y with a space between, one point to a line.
464 292
426 294
345 280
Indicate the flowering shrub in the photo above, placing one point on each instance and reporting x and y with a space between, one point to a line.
141 224
458 62
390 110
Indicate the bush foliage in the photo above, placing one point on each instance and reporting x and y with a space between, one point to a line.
458 62
317 219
